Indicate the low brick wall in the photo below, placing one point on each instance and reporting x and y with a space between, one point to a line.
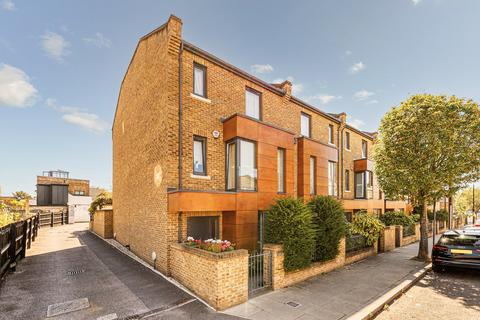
387 239
355 256
281 279
221 279
102 223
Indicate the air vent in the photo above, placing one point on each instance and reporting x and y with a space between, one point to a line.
293 304
75 272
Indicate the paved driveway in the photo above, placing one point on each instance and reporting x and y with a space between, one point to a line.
68 263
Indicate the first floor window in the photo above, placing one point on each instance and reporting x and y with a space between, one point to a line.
281 170
360 185
199 155
347 180
332 181
369 179
241 165
252 103
313 173
305 125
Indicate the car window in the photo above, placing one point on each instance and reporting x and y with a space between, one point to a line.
460 240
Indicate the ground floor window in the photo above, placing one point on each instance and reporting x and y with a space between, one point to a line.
203 227
348 216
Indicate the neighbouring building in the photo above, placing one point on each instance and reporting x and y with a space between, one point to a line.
202 148
56 191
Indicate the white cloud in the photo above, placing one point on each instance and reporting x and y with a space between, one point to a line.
415 2
98 40
323 98
8 5
362 95
357 67
356 123
297 88
374 101
348 53
261 68
55 46
87 121
79 117
15 88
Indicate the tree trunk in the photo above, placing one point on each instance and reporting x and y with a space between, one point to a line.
423 245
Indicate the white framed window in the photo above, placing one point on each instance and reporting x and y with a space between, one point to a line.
241 165
364 149
281 170
199 155
199 80
332 178
347 140
313 174
360 185
331 135
253 103
305 125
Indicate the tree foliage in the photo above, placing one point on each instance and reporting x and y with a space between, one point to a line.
464 201
367 225
289 222
428 146
103 198
329 221
21 195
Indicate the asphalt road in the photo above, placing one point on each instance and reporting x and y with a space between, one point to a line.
452 295
68 263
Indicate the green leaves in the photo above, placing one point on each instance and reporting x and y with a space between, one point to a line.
368 226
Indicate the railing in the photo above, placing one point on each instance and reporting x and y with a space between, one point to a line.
355 242
409 231
51 218
15 239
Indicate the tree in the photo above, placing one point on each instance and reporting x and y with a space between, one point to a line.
464 201
428 146
21 195
103 198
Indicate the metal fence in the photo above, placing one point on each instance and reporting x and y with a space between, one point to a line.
409 230
355 242
259 271
15 239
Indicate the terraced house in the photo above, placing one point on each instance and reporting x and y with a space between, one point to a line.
202 148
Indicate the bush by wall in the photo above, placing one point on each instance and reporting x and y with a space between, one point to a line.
442 215
368 226
398 218
329 220
289 222
103 198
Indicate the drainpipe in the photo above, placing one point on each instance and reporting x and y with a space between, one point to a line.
180 115
340 164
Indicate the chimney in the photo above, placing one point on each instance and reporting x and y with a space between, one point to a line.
287 87
343 118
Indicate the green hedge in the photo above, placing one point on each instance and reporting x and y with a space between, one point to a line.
397 218
289 222
367 225
442 215
329 221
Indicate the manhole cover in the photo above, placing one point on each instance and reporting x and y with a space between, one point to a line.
75 272
293 304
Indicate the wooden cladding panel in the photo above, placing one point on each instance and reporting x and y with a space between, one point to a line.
360 165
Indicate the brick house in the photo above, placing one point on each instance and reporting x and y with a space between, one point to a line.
202 148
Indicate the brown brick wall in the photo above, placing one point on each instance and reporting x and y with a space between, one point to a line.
221 279
103 223
73 184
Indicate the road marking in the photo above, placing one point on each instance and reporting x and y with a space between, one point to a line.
66 307
110 316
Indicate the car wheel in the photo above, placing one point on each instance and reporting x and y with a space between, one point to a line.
436 268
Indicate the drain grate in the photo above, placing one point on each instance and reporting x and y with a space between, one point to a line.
293 304
75 272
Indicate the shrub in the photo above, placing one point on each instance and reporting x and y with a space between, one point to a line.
103 198
368 226
399 218
289 222
415 217
211 245
329 220
442 215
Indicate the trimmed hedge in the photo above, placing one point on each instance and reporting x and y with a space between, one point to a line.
398 218
442 215
367 225
289 222
330 227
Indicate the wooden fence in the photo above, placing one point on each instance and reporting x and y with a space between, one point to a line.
15 239
52 218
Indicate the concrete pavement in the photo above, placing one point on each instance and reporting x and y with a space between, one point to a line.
453 295
338 294
68 264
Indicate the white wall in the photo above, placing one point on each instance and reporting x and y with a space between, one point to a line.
78 208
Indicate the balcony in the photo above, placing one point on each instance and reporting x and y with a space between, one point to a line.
361 165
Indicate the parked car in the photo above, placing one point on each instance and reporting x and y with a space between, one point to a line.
457 248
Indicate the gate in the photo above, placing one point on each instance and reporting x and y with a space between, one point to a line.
259 272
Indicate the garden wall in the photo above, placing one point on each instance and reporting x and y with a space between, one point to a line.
221 279
387 239
358 255
102 223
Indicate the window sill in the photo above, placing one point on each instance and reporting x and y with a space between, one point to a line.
349 150
332 144
197 176
347 190
193 95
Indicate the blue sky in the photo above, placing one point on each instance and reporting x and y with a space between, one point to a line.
61 64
